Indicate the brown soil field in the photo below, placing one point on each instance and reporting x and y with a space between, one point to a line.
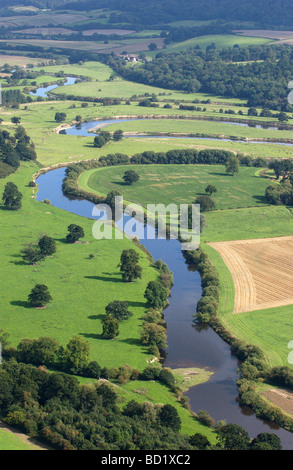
281 398
265 33
262 272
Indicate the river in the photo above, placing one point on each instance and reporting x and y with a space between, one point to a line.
188 345
85 130
43 91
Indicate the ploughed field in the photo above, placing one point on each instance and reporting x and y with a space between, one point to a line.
281 398
262 272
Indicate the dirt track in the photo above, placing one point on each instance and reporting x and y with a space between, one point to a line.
262 271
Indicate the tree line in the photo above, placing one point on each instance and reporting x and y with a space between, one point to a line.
55 408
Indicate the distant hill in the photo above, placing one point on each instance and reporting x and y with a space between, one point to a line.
263 13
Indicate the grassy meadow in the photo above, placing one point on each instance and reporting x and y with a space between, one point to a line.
221 41
12 442
81 287
179 184
252 219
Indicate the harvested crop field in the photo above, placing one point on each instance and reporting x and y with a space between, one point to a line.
262 272
281 398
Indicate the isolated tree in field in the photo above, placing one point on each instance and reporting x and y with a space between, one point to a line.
60 117
156 295
39 296
75 233
152 46
282 117
110 327
129 266
232 165
31 254
15 120
211 189
12 197
130 176
47 245
118 135
206 203
101 139
119 310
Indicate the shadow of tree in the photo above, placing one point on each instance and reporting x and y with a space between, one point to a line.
21 303
132 341
91 335
104 278
137 304
96 317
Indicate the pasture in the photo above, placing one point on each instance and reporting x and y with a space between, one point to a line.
221 41
96 281
179 184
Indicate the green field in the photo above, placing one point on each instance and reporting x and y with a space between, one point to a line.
38 119
221 41
200 127
81 287
179 184
96 282
10 441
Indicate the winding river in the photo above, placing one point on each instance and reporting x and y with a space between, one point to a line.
43 91
86 129
188 345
